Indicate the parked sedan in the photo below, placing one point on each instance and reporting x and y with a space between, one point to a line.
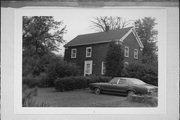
124 86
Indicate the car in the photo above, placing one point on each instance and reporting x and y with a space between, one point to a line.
124 86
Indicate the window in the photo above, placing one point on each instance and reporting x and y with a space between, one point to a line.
103 68
122 81
114 80
73 53
88 51
135 53
126 64
126 51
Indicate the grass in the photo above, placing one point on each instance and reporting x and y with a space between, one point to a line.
83 98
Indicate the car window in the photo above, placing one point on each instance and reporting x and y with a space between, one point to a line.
137 82
114 81
122 81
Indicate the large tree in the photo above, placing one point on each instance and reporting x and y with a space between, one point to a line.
106 23
41 36
114 60
145 28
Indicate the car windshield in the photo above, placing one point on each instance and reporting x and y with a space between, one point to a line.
136 81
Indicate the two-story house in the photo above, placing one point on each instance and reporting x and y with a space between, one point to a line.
88 51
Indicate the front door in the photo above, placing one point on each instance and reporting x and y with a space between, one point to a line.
88 67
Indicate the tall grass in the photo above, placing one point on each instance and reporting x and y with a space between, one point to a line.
29 100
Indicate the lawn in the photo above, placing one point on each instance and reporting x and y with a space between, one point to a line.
83 98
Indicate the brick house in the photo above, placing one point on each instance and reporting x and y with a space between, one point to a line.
88 51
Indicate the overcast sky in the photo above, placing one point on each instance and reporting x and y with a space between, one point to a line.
78 20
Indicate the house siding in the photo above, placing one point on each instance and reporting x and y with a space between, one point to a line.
131 42
98 55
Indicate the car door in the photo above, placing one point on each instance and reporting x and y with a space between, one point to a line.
110 87
122 85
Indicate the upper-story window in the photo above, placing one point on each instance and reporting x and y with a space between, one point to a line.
73 53
88 51
135 53
126 51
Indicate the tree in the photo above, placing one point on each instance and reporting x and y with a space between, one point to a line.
105 23
148 35
41 35
114 60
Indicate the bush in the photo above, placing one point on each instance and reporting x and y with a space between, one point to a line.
61 69
114 60
77 82
35 81
146 73
150 100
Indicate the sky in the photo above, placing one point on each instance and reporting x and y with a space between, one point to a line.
78 20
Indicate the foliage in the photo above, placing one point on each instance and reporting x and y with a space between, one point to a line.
77 82
35 81
106 23
28 98
144 72
152 101
60 69
148 34
114 60
41 36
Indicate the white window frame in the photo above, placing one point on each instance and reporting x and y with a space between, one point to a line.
126 53
73 55
103 67
135 53
87 51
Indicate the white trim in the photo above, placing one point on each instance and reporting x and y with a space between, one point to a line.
127 51
102 67
135 53
87 51
132 30
74 49
137 38
85 67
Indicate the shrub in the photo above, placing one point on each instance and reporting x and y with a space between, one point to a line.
30 81
61 69
33 81
146 73
114 60
78 82
150 100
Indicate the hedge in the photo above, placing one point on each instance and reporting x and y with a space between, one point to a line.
78 82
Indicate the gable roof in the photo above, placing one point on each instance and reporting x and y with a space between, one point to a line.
100 37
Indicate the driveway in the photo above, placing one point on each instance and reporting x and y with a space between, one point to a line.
82 98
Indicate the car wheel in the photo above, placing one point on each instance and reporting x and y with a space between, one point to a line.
130 93
97 91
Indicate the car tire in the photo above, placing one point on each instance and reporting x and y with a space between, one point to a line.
130 93
97 91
